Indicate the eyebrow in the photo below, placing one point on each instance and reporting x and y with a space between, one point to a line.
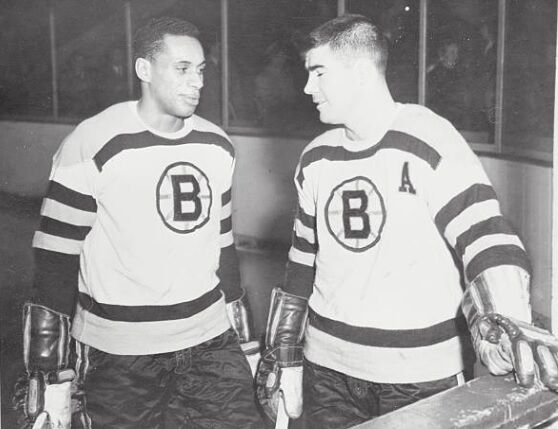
315 67
189 63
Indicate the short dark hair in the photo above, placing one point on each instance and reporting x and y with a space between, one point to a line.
351 34
148 39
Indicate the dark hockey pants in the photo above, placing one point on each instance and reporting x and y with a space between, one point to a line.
335 400
205 386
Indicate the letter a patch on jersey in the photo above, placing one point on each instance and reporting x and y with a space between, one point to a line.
406 185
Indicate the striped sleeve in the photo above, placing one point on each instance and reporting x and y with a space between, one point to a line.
226 233
299 276
229 271
467 213
67 215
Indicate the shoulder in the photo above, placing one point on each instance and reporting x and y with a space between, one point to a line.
203 125
90 135
209 133
433 131
322 144
318 149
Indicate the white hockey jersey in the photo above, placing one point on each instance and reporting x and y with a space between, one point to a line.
147 214
375 224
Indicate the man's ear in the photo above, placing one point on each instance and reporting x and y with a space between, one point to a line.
364 69
143 69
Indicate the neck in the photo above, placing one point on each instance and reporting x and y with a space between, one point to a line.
151 114
372 118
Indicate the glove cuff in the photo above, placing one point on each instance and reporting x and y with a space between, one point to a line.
46 339
501 289
240 317
285 327
289 356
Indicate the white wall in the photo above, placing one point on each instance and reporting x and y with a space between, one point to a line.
525 191
264 197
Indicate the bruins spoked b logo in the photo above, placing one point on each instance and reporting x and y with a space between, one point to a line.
183 197
355 214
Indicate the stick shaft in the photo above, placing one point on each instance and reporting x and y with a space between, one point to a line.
282 421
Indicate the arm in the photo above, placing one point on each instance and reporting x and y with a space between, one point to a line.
67 214
496 271
238 305
502 334
281 364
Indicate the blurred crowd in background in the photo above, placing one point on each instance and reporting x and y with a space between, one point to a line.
266 74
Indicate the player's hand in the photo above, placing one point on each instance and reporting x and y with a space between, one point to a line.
271 379
505 345
44 401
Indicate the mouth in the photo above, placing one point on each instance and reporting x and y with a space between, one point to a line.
191 98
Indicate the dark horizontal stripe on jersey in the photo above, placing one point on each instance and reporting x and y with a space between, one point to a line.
149 313
69 197
391 338
63 229
299 279
146 139
392 140
226 225
226 197
304 245
508 254
474 194
494 225
307 220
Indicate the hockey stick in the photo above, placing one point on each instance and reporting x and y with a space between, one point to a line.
282 421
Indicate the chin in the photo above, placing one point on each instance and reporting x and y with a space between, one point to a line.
185 113
328 119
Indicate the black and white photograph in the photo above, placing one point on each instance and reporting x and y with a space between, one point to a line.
274 214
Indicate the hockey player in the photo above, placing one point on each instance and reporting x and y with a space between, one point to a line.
135 260
379 200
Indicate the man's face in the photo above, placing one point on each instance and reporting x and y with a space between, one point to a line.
331 84
177 75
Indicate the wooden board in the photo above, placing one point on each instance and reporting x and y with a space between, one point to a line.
484 403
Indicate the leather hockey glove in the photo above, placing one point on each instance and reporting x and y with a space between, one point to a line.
241 321
280 368
44 393
498 313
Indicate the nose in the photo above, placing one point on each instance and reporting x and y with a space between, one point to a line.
310 86
196 79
